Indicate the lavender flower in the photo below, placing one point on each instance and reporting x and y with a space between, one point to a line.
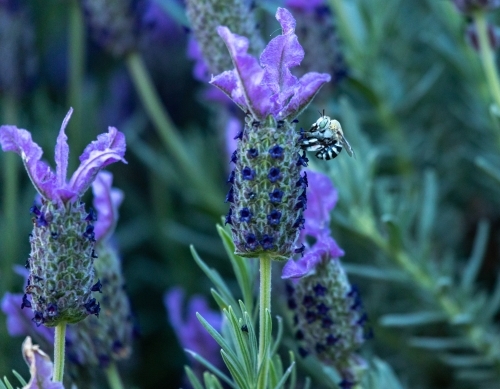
328 314
62 242
267 196
41 368
99 341
191 334
468 6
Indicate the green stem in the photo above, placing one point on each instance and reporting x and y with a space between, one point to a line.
59 343
264 327
487 56
167 132
113 377
76 66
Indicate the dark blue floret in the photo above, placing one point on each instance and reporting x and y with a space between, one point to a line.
299 223
302 160
276 152
54 235
248 173
245 215
92 216
301 203
301 182
320 348
117 346
41 221
346 384
239 135
234 156
310 316
300 250
230 196
26 303
27 264
93 254
280 123
292 304
267 242
275 196
251 241
331 340
274 217
295 120
252 153
93 307
38 318
51 310
303 352
299 335
97 287
319 289
274 174
290 290
228 217
326 322
230 179
322 309
35 211
308 301
89 232
104 360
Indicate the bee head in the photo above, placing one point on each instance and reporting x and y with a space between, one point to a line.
323 123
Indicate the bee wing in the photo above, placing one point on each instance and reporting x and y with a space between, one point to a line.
347 146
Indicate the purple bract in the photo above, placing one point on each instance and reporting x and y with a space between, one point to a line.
269 88
107 149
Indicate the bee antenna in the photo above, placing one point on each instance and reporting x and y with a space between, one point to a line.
322 114
271 34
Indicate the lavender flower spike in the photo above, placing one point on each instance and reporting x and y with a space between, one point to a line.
108 148
62 255
269 88
268 193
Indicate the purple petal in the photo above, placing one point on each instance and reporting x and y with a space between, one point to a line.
107 149
20 142
191 334
281 54
62 153
106 203
228 84
321 199
304 5
200 70
249 88
41 369
303 93
325 249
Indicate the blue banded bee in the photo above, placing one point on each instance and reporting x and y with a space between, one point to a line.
326 138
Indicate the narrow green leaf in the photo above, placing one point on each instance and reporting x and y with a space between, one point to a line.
211 367
476 375
393 231
235 369
242 348
7 383
192 378
494 302
241 269
2 386
476 258
218 338
252 336
216 279
279 336
285 376
219 300
293 379
307 384
272 377
412 319
439 343
267 340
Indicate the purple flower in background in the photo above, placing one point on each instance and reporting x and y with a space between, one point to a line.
269 88
191 334
107 200
200 70
157 24
41 367
322 198
107 149
305 5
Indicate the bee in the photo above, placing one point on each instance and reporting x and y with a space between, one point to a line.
326 138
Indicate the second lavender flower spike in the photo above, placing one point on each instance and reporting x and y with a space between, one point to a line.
267 195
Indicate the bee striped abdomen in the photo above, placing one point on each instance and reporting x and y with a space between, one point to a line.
330 151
